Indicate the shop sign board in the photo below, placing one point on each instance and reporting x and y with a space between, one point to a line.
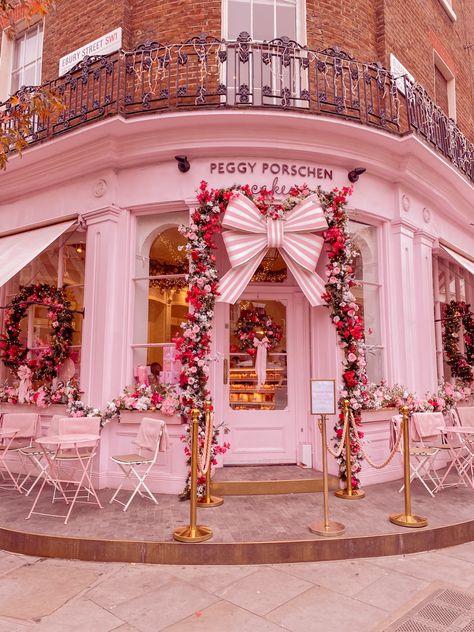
323 397
108 43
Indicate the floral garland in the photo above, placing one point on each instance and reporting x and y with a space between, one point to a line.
193 346
256 324
15 355
457 313
446 397
348 322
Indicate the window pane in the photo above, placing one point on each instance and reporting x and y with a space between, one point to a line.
286 18
18 52
31 46
238 18
29 75
244 391
365 240
263 20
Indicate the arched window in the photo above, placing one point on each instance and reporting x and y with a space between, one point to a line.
161 307
367 295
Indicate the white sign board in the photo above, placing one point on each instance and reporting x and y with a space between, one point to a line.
398 70
323 397
108 43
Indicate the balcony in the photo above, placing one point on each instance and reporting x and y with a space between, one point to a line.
205 72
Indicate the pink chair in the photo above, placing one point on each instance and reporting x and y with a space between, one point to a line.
152 438
17 433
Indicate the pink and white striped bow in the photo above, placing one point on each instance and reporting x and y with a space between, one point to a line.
253 234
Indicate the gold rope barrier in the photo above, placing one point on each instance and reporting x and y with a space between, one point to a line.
327 527
193 532
208 500
348 493
407 519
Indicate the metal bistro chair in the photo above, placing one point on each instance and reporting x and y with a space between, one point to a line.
36 456
66 456
152 437
426 442
17 432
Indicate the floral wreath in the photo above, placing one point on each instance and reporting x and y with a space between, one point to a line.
254 324
457 313
12 351
194 343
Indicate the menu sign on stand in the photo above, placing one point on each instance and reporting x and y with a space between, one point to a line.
323 397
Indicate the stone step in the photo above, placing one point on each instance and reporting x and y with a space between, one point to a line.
237 480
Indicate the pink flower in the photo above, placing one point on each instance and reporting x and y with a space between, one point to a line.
352 357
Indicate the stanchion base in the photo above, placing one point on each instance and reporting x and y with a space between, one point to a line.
354 494
199 533
404 520
214 501
332 529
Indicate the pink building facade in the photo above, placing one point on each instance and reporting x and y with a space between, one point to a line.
117 183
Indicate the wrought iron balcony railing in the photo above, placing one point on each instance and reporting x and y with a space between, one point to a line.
205 72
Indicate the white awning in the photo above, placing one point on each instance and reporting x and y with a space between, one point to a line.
16 251
465 263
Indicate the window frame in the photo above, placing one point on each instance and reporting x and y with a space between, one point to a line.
448 74
380 240
38 61
6 295
300 21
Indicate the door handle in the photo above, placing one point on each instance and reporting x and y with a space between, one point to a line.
226 370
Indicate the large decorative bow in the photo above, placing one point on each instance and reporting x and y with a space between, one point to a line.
253 234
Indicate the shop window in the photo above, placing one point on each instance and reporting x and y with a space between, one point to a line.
62 265
445 86
27 54
367 295
451 282
162 295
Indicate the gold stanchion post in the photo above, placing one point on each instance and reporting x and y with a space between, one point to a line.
208 500
193 532
327 527
348 493
407 519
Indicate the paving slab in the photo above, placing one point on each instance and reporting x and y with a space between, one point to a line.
32 592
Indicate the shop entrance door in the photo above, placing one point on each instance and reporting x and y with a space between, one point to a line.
264 419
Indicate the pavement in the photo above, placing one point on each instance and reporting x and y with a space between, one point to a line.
53 595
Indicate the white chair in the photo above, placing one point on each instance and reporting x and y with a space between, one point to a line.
85 453
151 438
36 456
17 432
426 442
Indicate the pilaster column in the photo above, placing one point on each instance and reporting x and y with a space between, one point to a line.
106 295
402 321
425 359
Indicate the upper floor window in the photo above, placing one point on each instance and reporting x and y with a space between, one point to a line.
263 19
445 86
26 63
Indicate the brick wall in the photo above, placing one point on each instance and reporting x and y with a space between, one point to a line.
368 29
413 29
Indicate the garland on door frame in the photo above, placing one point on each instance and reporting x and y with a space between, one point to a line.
457 313
194 343
15 354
